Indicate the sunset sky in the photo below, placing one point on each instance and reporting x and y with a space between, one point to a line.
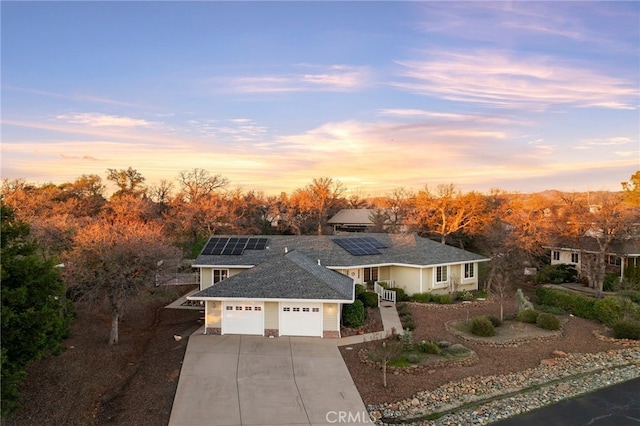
522 96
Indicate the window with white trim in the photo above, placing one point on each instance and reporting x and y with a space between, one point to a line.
575 257
555 254
219 274
469 270
442 273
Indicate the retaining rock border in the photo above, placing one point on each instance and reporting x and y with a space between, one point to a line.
512 343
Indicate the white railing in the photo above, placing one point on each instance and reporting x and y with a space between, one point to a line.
384 294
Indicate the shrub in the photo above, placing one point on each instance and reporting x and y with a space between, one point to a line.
495 320
353 314
429 347
414 358
421 297
528 315
442 299
548 321
465 296
558 274
369 299
481 326
577 304
401 296
610 282
457 349
611 309
551 309
633 295
627 329
359 290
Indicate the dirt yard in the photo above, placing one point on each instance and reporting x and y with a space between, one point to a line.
134 382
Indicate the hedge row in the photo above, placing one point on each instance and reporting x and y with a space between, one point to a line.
576 304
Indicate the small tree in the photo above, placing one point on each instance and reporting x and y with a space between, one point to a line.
113 262
385 351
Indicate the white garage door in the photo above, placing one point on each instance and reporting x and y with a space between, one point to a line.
301 319
242 318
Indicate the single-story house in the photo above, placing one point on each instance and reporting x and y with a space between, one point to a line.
279 285
352 220
622 254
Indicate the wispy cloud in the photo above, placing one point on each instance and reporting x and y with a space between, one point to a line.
95 119
335 78
77 97
495 78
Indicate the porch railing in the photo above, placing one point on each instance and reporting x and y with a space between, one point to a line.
384 294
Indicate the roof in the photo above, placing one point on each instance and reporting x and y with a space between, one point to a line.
402 249
352 217
623 247
286 276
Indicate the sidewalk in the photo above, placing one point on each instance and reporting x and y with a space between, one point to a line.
390 320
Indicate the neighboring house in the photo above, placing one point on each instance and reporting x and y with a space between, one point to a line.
281 285
621 255
352 220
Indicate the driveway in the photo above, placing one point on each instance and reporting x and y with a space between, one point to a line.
253 380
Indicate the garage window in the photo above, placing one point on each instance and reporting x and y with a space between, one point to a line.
305 309
296 309
238 308
247 308
257 308
315 310
286 309
229 308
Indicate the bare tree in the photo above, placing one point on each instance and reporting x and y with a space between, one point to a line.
199 183
385 351
112 263
318 199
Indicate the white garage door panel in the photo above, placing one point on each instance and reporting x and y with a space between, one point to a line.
301 319
243 318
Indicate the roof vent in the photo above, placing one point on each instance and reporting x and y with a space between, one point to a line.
286 250
318 261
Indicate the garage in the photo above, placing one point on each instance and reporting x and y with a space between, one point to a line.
243 317
301 319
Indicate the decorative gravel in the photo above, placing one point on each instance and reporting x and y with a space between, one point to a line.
486 399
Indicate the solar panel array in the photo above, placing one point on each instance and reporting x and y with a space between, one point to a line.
233 245
360 246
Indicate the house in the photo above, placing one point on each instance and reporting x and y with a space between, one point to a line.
283 285
622 254
352 220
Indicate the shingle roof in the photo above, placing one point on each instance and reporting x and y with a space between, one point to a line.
405 249
352 217
286 276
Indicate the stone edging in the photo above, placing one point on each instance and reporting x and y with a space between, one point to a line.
454 305
506 344
623 342
470 359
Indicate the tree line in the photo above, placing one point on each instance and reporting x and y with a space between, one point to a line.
112 248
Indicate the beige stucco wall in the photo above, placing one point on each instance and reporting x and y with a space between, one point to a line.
406 278
384 273
206 275
214 313
330 315
271 315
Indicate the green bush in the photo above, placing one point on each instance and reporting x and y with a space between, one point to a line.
481 326
551 309
421 297
611 282
528 315
613 308
359 290
401 296
369 299
465 296
557 274
576 304
548 321
633 295
429 347
353 314
457 349
495 321
442 299
414 358
627 329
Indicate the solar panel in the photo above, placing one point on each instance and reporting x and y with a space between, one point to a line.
358 246
233 245
374 242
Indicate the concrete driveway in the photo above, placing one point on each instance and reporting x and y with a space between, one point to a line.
253 380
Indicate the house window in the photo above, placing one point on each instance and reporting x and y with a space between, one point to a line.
441 274
556 255
575 258
614 260
469 270
371 274
219 275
